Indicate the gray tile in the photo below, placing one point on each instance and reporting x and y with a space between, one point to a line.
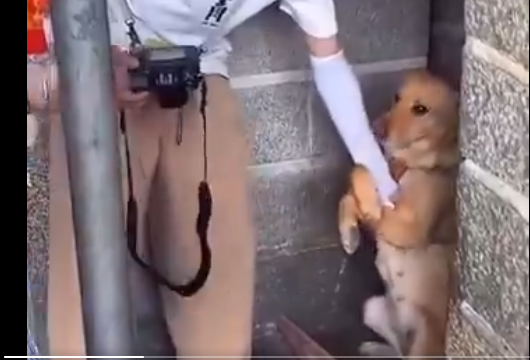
371 30
381 30
514 261
494 243
269 42
501 23
270 346
445 57
322 291
447 38
289 121
495 122
378 91
277 121
447 11
296 206
480 280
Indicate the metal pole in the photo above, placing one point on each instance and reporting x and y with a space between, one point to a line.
82 47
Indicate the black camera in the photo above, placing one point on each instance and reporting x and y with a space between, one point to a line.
169 73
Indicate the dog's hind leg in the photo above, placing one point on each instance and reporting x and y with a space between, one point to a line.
380 316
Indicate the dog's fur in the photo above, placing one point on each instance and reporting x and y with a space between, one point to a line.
416 237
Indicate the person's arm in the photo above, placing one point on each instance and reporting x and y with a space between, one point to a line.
339 88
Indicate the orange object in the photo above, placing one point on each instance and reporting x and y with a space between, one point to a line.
37 10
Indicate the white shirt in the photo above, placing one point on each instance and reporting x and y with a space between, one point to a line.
207 22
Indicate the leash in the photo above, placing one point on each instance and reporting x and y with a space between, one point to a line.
203 218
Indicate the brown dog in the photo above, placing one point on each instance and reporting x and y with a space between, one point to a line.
416 237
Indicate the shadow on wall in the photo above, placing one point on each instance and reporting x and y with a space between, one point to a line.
447 40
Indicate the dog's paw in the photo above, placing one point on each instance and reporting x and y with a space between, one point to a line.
350 239
377 349
366 194
348 226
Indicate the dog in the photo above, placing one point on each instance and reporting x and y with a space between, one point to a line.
417 235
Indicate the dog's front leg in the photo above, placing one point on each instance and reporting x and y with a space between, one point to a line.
350 236
361 203
401 227
366 196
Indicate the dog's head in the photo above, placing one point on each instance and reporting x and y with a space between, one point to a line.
421 128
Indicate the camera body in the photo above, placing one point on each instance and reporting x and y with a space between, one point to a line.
169 73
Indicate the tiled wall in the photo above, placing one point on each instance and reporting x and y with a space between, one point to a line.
491 318
299 163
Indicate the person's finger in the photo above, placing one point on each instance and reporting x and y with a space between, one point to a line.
131 97
121 58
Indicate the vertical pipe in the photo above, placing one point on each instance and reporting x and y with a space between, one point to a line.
82 46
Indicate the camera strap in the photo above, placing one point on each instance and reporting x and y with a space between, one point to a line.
201 225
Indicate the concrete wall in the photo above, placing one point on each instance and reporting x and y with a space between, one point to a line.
447 39
491 318
299 163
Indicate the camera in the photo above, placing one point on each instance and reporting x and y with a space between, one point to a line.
169 73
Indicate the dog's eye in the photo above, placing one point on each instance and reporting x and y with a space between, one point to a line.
420 110
397 98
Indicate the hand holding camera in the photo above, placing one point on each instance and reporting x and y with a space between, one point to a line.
123 63
168 73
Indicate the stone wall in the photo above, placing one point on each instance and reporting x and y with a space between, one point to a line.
491 318
299 163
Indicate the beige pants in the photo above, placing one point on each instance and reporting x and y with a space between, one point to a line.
218 320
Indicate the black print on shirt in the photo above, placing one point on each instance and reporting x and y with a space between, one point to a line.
216 13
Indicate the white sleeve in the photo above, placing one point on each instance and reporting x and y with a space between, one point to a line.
315 17
341 92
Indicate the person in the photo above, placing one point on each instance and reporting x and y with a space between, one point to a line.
218 320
